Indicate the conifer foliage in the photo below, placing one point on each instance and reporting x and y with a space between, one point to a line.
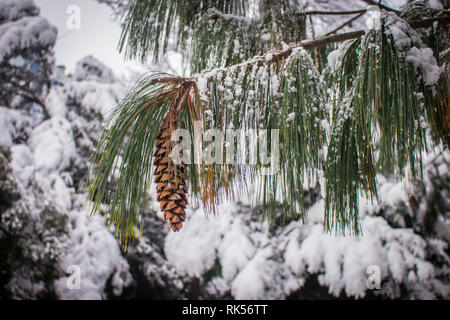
374 109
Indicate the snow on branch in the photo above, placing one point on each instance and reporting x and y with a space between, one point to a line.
216 14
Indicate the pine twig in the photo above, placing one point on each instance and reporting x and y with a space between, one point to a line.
381 6
343 25
335 13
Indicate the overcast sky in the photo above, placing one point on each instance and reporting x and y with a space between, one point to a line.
98 34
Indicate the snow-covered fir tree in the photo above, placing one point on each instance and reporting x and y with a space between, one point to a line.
45 143
49 127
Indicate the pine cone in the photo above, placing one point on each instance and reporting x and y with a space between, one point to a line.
170 178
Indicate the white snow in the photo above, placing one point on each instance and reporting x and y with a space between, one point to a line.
332 57
55 104
191 254
404 36
290 116
94 250
52 144
97 97
235 251
266 37
202 84
373 19
255 277
436 4
269 57
22 162
226 16
251 271
237 46
11 123
424 61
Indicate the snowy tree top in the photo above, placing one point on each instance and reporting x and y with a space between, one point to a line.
89 68
27 32
13 10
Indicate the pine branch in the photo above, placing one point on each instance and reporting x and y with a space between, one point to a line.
219 39
381 6
232 37
417 24
343 25
337 13
328 38
379 108
310 44
279 55
126 145
382 106
141 122
148 24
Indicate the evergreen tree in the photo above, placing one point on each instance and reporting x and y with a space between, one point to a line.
46 136
33 232
373 104
26 58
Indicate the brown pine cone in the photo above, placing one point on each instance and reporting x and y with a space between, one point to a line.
170 178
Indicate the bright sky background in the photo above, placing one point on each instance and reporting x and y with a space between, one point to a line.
98 34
